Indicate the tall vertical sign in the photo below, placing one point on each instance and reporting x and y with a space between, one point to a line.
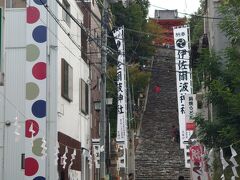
122 92
35 100
183 76
199 167
121 87
191 111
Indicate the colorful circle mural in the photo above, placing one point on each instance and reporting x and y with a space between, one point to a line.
35 106
32 90
39 70
33 14
40 34
33 52
39 178
37 149
31 166
40 2
30 123
39 109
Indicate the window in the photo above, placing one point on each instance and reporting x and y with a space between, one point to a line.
84 97
14 4
65 16
66 81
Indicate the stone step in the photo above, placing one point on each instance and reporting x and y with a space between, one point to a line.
157 157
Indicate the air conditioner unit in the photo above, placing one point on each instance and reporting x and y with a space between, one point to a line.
1 78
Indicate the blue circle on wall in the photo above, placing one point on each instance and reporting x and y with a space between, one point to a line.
39 178
40 34
40 2
39 108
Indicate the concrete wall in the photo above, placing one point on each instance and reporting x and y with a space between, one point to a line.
217 39
63 116
14 94
71 121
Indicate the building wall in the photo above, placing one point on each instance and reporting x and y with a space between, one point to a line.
95 68
52 84
217 39
14 93
70 118
93 26
63 116
95 64
71 121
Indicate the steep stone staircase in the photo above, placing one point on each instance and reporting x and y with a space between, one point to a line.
157 157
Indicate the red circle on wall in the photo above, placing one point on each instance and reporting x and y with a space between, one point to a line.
33 14
31 166
31 128
39 70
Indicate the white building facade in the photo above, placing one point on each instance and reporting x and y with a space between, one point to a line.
49 71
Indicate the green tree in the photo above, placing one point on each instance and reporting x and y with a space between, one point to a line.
138 80
230 24
196 23
134 19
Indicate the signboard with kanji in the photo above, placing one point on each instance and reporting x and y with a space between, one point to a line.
183 76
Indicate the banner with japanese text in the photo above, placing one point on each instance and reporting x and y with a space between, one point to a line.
183 77
191 110
199 167
121 87
96 152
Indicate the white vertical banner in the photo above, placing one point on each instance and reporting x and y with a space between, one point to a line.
121 87
190 111
183 77
122 95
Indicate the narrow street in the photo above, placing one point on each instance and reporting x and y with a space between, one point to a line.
157 157
106 89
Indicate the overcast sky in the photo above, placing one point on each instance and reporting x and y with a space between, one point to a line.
184 6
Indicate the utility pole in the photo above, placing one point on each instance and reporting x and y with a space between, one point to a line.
103 91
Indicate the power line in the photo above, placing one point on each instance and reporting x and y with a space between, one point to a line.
60 25
145 33
205 17
67 33
128 29
83 28
89 9
79 24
